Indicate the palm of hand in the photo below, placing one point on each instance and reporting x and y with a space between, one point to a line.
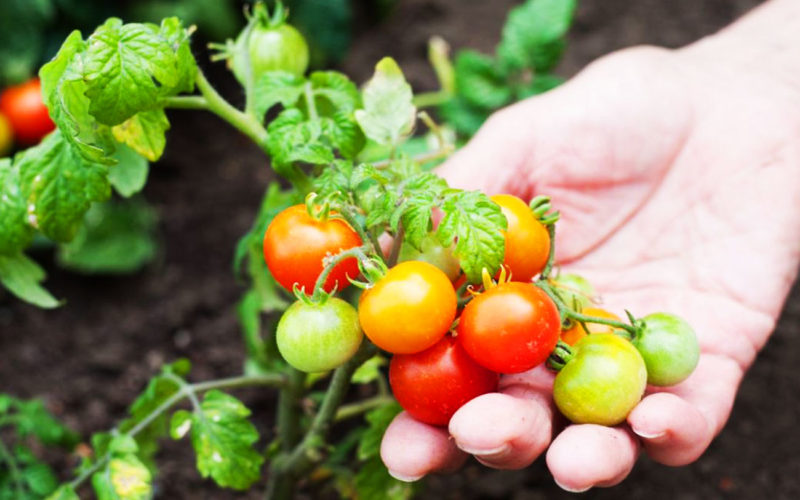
678 186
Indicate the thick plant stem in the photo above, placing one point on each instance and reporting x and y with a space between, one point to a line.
245 123
186 102
288 409
287 468
355 409
551 257
566 312
429 99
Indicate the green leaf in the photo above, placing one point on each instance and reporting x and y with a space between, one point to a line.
145 133
334 92
64 93
540 85
115 238
40 478
474 221
369 371
344 134
388 112
65 492
478 82
15 232
373 482
463 116
533 34
125 477
275 87
378 420
22 277
180 424
34 419
294 138
128 67
421 193
129 175
223 439
59 186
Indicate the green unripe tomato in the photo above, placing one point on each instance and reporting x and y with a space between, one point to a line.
602 382
669 347
319 337
574 289
433 252
271 48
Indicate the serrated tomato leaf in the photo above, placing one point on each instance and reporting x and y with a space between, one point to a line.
388 113
15 232
22 277
144 132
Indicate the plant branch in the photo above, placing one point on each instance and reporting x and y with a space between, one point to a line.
186 390
308 92
331 263
288 404
355 409
566 312
429 99
186 102
13 469
245 123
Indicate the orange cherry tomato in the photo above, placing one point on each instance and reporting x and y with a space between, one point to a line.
527 240
409 309
25 110
576 332
295 245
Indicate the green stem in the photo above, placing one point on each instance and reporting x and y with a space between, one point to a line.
245 123
13 470
566 312
319 286
348 217
428 99
551 257
355 409
288 409
186 102
186 390
308 92
286 468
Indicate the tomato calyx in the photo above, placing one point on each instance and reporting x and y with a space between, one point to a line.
541 208
560 356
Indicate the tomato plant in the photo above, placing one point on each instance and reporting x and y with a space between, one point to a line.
526 239
431 385
601 382
669 347
26 112
510 328
409 309
318 337
296 244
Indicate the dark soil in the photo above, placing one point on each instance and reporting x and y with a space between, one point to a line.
89 359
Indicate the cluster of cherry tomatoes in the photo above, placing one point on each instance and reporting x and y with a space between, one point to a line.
23 116
450 345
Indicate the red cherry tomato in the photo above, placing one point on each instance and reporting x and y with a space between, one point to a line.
527 240
409 309
295 245
25 110
431 385
510 328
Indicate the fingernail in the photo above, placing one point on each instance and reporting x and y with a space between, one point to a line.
403 477
488 453
571 490
650 436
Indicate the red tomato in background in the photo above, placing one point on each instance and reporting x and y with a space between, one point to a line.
431 385
25 110
295 245
510 328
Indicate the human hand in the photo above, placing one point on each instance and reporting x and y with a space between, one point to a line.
677 176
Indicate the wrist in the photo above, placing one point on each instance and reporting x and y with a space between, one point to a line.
766 41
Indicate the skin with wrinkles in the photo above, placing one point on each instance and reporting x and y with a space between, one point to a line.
677 174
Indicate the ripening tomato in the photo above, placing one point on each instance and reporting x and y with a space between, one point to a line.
510 328
25 110
6 136
574 289
527 240
295 245
574 334
409 309
431 385
669 347
602 382
318 337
